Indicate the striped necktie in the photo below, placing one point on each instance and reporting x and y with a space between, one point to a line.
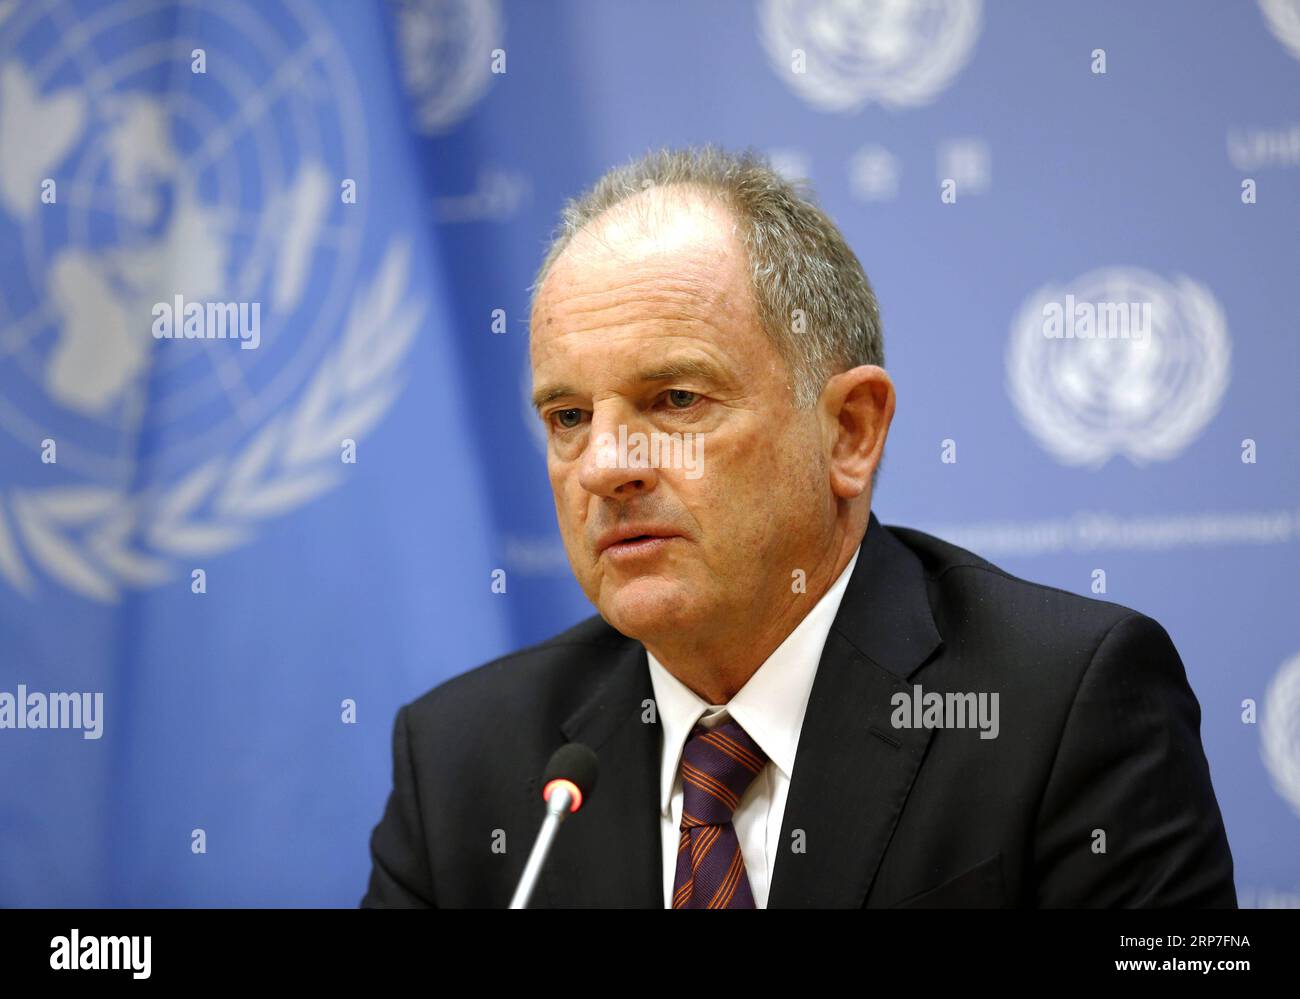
718 764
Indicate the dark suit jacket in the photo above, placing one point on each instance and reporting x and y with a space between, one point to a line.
1099 730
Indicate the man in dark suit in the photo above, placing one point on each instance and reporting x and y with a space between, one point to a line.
791 704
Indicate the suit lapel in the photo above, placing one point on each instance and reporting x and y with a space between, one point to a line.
609 854
853 770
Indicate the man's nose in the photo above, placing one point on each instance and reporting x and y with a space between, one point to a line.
613 465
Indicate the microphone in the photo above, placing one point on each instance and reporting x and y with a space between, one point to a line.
569 780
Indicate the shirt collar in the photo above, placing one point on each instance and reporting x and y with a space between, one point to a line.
771 705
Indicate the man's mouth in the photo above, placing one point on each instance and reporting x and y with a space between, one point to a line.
642 546
634 543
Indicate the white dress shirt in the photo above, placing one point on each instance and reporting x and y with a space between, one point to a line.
770 707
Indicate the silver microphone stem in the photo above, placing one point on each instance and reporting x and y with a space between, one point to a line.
557 807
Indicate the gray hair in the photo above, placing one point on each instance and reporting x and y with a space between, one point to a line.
811 294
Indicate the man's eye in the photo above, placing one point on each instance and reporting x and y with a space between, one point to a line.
567 419
681 398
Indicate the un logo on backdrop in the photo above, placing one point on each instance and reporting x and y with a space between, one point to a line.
840 55
1283 19
443 48
146 159
1118 361
1279 731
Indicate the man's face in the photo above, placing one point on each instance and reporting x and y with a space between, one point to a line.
653 329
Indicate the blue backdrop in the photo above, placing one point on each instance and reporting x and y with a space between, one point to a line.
256 555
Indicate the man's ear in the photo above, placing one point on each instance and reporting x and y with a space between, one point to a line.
857 407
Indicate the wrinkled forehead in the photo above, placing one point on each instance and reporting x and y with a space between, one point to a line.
647 296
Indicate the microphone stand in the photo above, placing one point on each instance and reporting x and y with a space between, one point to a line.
557 808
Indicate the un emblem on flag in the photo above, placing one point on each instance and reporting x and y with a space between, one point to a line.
152 157
840 55
1118 361
1279 731
1283 19
442 48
